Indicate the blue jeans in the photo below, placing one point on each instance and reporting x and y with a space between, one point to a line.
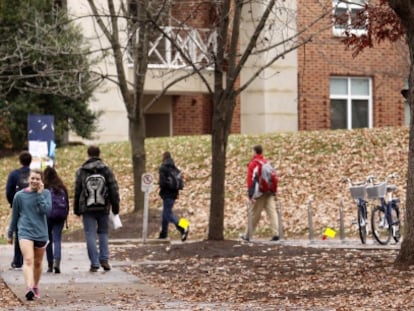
96 223
54 248
168 217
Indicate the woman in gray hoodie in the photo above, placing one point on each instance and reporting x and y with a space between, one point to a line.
29 216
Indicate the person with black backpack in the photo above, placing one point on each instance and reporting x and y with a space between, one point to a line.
96 192
56 218
171 182
17 180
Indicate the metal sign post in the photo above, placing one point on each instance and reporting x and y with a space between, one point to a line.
147 185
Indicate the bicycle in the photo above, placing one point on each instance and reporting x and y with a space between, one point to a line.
385 218
358 193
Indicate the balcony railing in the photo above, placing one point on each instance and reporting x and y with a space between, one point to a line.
196 44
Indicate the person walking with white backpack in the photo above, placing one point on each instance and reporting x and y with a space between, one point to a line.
262 187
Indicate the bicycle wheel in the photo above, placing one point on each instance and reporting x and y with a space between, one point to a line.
396 233
380 228
362 223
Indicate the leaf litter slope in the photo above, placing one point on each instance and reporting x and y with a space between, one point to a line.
310 165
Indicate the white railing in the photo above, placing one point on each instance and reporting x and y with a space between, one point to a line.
196 44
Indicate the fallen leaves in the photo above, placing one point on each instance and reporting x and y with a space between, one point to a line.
278 276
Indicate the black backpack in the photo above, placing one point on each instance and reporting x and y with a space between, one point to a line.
174 179
23 180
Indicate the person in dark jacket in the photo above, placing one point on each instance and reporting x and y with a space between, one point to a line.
168 196
55 223
95 215
12 186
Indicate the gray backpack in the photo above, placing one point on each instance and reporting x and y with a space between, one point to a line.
95 191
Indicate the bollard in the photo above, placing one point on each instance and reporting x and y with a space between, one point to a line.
279 219
341 222
310 222
249 220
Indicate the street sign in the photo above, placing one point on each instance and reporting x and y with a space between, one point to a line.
147 185
147 182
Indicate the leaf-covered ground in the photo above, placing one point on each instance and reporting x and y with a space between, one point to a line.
310 165
274 276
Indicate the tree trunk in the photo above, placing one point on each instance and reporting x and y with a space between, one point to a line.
137 139
218 173
224 103
406 255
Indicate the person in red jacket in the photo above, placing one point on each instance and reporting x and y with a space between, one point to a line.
265 201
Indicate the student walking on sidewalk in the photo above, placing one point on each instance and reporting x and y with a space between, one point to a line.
170 185
56 218
16 181
29 217
96 191
260 201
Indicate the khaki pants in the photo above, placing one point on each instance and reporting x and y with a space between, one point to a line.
265 202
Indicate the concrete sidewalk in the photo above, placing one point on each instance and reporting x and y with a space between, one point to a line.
76 288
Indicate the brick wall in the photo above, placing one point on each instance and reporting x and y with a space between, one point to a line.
326 56
192 115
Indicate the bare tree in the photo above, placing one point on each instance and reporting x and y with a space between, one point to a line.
132 16
227 56
270 38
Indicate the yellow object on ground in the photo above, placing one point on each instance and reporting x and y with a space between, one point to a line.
183 223
330 232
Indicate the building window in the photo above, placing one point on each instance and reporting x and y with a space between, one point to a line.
351 102
347 17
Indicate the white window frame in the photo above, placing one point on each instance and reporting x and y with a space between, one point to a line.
349 97
348 5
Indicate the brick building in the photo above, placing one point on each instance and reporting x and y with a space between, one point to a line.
318 86
336 90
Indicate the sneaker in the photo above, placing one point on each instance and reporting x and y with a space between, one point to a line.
36 292
105 265
93 269
14 266
275 238
30 294
184 235
244 237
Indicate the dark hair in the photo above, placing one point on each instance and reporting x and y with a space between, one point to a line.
25 158
258 149
52 179
94 151
166 155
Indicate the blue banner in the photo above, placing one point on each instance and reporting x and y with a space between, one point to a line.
41 137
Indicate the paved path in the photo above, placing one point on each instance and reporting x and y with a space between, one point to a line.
78 289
